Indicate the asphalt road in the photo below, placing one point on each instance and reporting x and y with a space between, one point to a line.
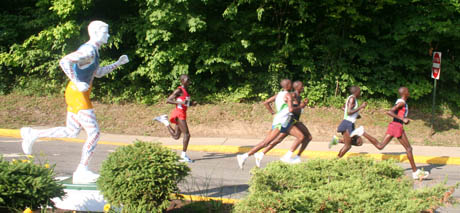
213 174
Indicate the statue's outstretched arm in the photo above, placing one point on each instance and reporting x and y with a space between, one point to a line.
102 71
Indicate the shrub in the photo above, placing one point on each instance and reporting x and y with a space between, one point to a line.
26 184
346 185
141 177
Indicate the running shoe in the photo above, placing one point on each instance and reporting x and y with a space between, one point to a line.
28 140
186 159
241 159
258 156
420 174
286 160
296 160
334 141
358 132
163 119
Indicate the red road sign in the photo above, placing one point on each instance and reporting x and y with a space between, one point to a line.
436 69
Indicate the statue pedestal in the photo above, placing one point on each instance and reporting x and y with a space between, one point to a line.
80 197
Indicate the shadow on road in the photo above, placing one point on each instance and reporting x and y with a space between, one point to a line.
213 156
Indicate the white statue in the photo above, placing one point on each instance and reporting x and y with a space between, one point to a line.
81 67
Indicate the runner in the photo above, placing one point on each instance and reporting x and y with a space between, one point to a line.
395 129
80 67
181 99
298 89
282 123
351 136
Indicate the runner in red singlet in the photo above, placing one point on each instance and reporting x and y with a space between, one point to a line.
181 99
395 129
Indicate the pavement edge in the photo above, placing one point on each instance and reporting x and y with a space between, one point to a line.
228 149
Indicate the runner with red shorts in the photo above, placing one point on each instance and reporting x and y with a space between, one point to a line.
395 129
181 99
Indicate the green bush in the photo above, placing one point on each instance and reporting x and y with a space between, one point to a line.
26 184
141 177
345 185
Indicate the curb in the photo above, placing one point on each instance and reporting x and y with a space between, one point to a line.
228 149
201 198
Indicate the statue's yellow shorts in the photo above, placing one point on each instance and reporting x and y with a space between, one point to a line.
77 100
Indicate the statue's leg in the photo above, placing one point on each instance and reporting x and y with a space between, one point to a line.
82 174
87 118
29 135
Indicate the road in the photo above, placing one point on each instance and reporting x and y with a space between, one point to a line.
213 174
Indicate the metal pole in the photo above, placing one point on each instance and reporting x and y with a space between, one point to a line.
432 108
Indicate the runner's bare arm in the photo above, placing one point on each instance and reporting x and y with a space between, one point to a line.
172 99
398 106
300 105
288 99
267 104
102 71
351 105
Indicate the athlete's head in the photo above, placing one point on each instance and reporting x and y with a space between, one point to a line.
404 92
184 80
286 84
356 91
98 31
298 86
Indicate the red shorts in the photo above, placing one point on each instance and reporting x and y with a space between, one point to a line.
395 129
177 114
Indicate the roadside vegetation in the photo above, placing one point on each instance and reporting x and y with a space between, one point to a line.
354 184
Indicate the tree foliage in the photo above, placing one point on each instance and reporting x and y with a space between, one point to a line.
238 49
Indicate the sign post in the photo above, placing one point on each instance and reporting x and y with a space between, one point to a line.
435 72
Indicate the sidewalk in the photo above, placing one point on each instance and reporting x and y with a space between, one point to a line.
422 154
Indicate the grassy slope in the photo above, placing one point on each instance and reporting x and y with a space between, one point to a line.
223 120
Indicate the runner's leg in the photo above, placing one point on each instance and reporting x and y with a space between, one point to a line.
380 146
307 138
175 133
275 142
270 137
183 127
405 142
347 144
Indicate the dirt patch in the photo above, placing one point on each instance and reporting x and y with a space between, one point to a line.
218 120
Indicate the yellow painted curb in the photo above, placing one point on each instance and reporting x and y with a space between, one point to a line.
324 154
276 152
201 198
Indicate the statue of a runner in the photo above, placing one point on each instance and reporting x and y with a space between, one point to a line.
81 67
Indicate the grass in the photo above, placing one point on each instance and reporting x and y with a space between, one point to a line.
243 120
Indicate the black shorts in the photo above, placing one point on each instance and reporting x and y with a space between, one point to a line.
350 127
346 125
288 127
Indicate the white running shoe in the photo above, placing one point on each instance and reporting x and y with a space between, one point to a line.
84 176
28 140
241 159
296 160
420 174
286 160
163 119
258 156
186 159
334 141
357 132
